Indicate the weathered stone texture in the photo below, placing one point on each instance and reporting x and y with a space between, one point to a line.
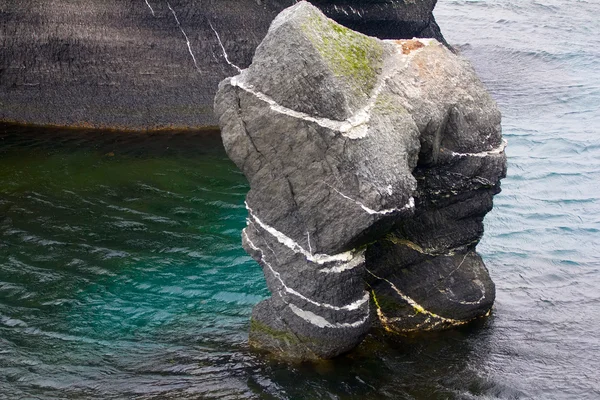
367 181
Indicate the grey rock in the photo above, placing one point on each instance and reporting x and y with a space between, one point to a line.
371 164
426 274
149 64
431 292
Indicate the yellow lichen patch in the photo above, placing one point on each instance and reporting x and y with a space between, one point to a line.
404 242
382 318
432 321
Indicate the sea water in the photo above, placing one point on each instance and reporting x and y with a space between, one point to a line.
122 275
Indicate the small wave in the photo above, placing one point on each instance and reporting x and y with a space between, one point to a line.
226 205
12 322
105 252
130 225
162 192
237 298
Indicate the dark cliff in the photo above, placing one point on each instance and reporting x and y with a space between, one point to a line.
137 64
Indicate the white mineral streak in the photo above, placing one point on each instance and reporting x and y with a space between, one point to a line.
150 7
348 307
223 48
356 126
475 281
308 241
358 260
478 301
418 308
321 322
344 127
355 11
407 206
187 40
459 265
496 151
297 248
426 42
344 10
450 296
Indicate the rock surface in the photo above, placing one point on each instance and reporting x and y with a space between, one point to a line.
371 164
148 64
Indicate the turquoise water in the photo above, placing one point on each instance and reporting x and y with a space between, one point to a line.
116 256
122 274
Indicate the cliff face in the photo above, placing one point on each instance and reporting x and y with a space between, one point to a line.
144 64
371 164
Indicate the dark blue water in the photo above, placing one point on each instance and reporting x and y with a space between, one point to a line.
122 274
541 62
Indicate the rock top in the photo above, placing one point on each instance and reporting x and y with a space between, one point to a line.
362 157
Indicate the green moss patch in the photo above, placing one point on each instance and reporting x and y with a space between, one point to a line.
350 55
283 336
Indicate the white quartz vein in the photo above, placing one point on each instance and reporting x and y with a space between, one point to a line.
459 265
150 7
223 48
409 205
418 308
476 282
296 247
348 307
187 40
356 126
344 127
321 322
358 260
496 151
478 301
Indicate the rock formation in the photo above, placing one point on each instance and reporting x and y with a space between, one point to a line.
145 64
371 164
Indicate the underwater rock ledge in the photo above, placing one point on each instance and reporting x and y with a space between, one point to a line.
371 165
150 64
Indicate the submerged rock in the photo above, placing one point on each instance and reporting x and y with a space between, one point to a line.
149 64
371 164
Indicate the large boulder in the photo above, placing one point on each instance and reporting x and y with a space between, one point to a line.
371 164
149 64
